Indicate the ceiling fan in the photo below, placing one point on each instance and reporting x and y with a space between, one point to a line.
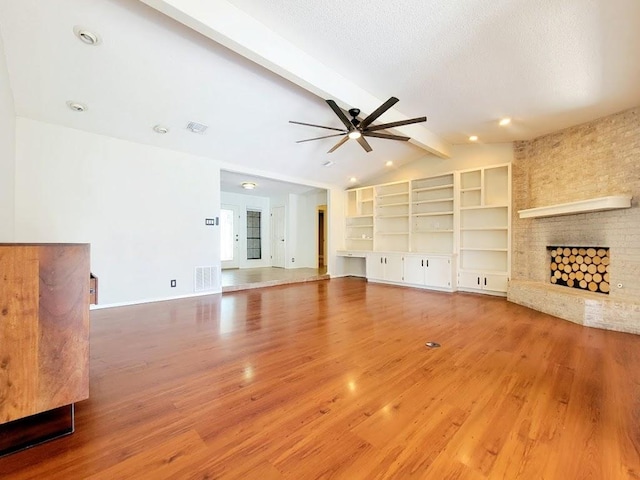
358 129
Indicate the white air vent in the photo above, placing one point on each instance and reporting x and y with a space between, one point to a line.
206 278
197 127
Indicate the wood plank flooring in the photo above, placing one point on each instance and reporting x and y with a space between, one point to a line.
332 379
247 278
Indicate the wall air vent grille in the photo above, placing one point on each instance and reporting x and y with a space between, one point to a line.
206 279
197 127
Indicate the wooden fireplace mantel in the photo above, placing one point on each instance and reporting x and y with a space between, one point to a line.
601 204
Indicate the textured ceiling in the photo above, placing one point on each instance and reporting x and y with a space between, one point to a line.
464 64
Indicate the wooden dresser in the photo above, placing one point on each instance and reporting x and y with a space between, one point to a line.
44 340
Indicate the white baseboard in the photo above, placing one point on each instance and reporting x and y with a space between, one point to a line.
152 300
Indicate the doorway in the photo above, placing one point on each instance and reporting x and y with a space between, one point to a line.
322 236
277 237
229 236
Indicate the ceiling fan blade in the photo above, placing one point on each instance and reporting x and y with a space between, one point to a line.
378 111
364 144
319 126
339 144
340 113
388 136
319 138
397 124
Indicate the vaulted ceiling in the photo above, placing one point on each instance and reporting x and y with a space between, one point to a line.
245 68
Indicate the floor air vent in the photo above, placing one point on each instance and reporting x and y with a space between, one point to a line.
206 278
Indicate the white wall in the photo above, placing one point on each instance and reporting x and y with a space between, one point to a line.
307 226
142 208
301 228
7 152
251 202
463 157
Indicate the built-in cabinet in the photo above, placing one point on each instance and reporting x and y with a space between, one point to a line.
458 223
484 229
429 271
385 266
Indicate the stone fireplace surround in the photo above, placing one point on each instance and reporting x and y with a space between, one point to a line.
587 161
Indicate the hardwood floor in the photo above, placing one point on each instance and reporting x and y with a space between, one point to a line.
247 278
332 379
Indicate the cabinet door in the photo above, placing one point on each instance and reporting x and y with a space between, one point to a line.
495 281
375 266
437 272
393 268
469 280
414 269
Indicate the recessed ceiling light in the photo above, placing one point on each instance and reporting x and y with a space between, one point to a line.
76 106
248 185
473 138
389 163
355 135
328 163
86 36
504 122
353 179
160 129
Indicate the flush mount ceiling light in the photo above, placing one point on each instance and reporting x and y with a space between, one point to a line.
248 185
504 122
473 138
76 106
389 163
353 179
86 36
160 129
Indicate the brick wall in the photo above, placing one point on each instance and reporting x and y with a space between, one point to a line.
592 160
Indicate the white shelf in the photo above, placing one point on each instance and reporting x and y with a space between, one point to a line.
484 249
392 233
433 231
482 229
583 206
420 202
386 195
402 204
427 189
393 216
431 214
482 207
360 226
359 216
472 189
360 238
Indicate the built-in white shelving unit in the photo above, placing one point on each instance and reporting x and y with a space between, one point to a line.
447 231
432 214
391 230
359 219
484 229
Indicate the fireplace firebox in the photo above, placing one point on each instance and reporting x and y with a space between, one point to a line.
584 268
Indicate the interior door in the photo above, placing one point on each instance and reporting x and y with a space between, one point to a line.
229 236
277 240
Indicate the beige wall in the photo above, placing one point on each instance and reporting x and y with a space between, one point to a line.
592 160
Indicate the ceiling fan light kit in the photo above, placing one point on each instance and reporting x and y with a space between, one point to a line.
357 129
